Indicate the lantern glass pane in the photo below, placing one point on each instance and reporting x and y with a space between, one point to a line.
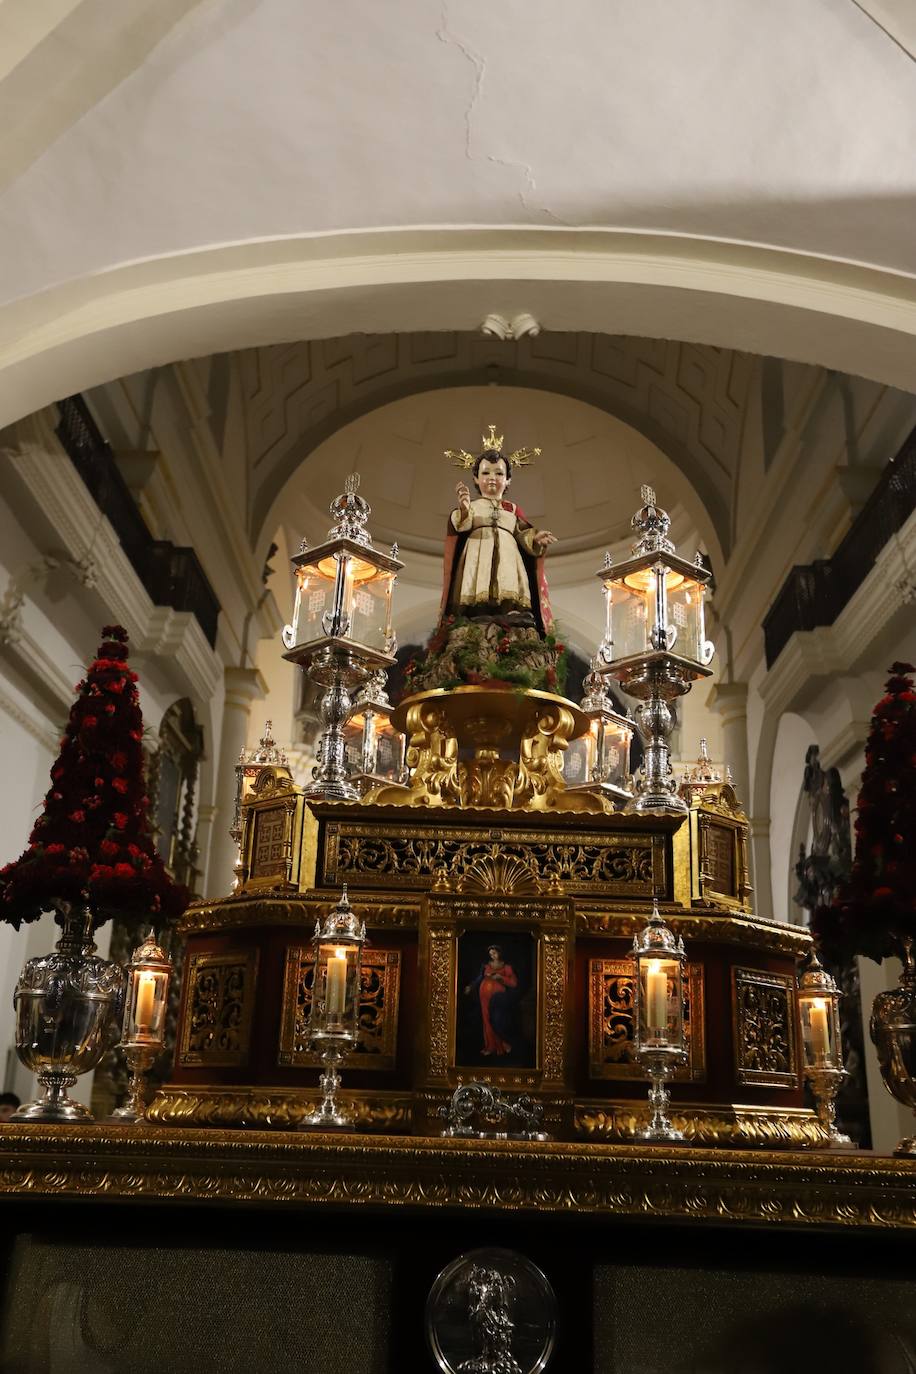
335 991
613 759
632 617
315 594
389 757
147 1002
684 615
370 608
578 761
660 1001
818 1024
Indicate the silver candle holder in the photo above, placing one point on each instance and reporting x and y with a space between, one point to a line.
341 630
819 1011
333 1027
143 1035
660 1039
655 643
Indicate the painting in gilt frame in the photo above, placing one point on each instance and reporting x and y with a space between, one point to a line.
495 974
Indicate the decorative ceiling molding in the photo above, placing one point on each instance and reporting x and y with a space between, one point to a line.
688 399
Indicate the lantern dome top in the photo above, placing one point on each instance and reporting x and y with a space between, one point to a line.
657 939
350 512
653 524
816 979
341 923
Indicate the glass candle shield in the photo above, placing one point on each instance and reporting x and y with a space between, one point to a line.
820 1029
660 1011
335 991
342 595
652 604
147 999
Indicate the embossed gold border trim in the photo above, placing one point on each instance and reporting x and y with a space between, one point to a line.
439 842
764 1078
706 1124
694 1023
549 921
247 958
389 961
209 1168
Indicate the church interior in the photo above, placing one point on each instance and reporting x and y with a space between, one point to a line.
457 704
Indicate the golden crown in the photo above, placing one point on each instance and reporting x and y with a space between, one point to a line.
492 443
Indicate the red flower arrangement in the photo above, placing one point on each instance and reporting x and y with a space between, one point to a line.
875 910
80 850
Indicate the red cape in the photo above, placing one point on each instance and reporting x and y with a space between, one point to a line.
534 566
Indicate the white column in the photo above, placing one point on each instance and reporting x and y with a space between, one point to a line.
243 686
729 700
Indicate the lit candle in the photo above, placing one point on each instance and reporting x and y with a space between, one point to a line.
146 1002
817 1022
657 999
336 995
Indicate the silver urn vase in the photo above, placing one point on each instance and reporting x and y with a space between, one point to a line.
893 1031
68 1013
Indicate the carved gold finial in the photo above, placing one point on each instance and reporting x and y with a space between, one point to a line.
648 495
492 442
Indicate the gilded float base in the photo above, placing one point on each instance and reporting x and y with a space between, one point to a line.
282 1109
790 1128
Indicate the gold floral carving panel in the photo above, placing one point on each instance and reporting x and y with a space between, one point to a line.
380 983
216 1030
763 1016
406 856
611 1021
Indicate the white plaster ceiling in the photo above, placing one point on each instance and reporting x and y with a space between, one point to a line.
222 121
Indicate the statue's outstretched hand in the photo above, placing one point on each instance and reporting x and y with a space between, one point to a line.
543 540
464 498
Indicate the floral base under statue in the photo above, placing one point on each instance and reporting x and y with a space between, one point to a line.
893 1031
468 652
68 1013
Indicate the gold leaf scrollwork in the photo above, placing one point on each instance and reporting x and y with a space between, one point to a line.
217 1020
763 1020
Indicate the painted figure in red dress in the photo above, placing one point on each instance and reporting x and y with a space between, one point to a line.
496 986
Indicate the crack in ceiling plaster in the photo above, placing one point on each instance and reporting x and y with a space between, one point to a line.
446 35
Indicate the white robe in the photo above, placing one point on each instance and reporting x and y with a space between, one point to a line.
491 570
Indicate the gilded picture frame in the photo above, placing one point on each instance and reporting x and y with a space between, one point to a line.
611 1022
378 1014
457 934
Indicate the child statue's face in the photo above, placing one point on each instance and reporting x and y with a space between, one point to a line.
491 478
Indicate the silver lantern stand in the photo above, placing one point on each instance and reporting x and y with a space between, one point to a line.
333 1028
143 1034
660 1041
341 630
819 1012
655 644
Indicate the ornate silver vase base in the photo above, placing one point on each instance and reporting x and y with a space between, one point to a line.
68 1013
57 1109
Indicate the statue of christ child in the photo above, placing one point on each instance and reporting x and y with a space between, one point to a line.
494 556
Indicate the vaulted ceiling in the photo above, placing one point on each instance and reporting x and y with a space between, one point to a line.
688 400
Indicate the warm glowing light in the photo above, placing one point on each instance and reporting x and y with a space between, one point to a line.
643 580
358 570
